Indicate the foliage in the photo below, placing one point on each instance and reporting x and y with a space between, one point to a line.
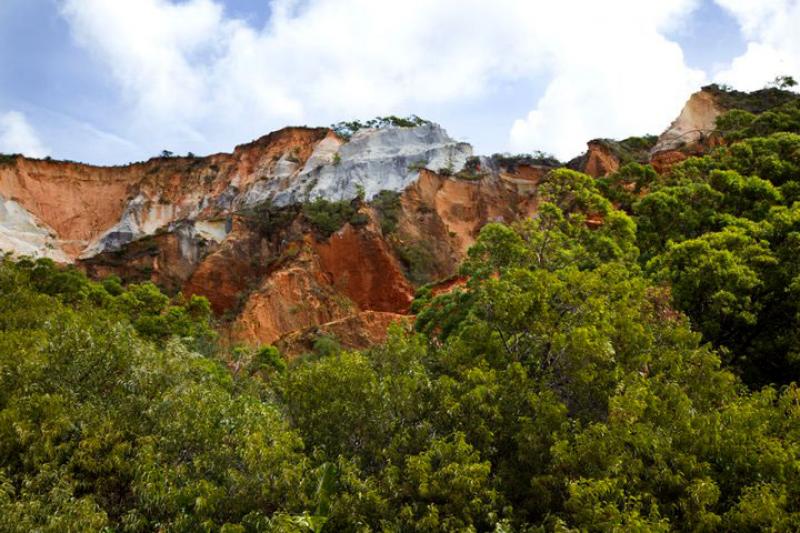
328 216
267 219
387 205
632 149
626 186
511 161
417 166
345 130
738 124
101 428
783 82
418 260
718 230
558 386
753 102
151 313
8 159
472 170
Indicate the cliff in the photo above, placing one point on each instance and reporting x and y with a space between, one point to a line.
303 227
240 229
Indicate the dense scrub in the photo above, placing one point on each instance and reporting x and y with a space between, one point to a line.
752 102
601 369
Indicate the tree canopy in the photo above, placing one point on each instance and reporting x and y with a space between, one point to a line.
625 360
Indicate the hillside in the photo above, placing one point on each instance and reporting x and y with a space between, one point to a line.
371 328
301 227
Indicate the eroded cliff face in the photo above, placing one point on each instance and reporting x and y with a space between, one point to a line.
692 133
233 227
196 225
598 161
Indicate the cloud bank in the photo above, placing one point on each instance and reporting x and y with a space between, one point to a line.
772 29
193 78
17 136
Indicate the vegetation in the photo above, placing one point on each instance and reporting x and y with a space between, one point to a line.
327 216
417 259
632 149
721 231
754 102
417 166
387 205
294 156
8 159
267 219
511 162
345 130
783 82
738 124
597 370
472 170
627 186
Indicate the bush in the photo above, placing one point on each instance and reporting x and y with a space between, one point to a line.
632 149
753 102
417 166
472 170
328 217
268 219
387 205
8 159
511 162
738 124
418 260
345 130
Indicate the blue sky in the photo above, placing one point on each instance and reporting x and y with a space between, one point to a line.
110 81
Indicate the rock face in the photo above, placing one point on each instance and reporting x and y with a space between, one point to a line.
689 134
237 228
372 161
23 233
696 122
598 161
197 225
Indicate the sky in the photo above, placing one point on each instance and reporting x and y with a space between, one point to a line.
113 81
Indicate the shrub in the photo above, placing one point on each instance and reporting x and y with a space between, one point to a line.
345 130
417 166
754 102
327 217
418 260
388 206
511 162
472 170
445 171
268 219
8 159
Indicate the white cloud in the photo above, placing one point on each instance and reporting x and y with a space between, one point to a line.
614 74
194 76
773 42
17 136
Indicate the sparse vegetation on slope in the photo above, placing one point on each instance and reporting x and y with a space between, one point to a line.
345 130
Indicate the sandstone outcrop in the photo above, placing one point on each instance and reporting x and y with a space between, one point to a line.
692 133
192 224
233 227
598 161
